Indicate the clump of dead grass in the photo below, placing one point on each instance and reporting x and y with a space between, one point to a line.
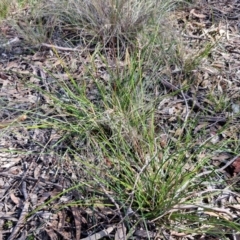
110 23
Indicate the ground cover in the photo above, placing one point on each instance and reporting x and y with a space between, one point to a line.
119 120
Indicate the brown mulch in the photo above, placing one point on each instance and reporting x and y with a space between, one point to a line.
35 184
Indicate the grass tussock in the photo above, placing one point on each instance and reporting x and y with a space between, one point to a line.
149 169
112 24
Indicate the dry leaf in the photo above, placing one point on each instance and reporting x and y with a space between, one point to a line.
198 15
178 132
163 140
16 200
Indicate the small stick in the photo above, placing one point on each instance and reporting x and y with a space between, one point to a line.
60 48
